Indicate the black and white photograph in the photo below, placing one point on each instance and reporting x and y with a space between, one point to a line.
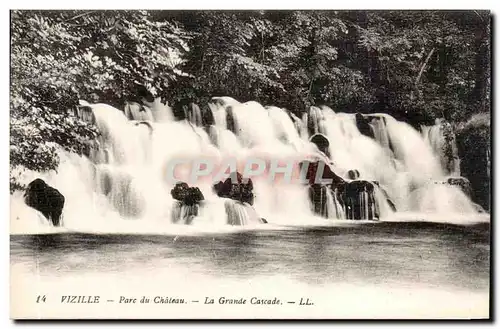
250 164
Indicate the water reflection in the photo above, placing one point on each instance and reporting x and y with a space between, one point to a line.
382 253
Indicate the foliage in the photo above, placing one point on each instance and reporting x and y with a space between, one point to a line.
60 57
474 147
478 127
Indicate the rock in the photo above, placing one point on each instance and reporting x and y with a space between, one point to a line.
46 199
188 203
359 200
364 126
322 142
186 195
239 208
318 191
238 190
353 174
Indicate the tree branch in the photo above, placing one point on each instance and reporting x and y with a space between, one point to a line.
422 68
480 17
417 80
81 15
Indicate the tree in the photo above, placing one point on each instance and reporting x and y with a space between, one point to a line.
60 57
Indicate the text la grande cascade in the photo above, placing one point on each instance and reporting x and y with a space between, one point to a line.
242 301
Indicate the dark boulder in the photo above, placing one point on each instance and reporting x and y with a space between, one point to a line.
239 209
187 195
359 200
363 126
322 142
235 188
188 202
46 199
353 174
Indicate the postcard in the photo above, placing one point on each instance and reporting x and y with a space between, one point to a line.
250 164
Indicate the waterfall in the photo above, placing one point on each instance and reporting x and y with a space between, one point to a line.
124 178
240 213
334 208
441 139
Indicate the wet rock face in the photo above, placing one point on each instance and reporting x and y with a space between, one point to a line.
46 199
231 122
187 195
188 202
359 200
353 174
322 142
356 197
236 189
318 199
198 115
364 126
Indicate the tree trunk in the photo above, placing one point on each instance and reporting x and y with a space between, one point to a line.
420 72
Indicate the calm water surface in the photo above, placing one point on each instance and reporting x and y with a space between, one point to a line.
430 254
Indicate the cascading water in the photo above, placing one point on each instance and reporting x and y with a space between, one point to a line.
406 166
441 138
334 208
124 181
